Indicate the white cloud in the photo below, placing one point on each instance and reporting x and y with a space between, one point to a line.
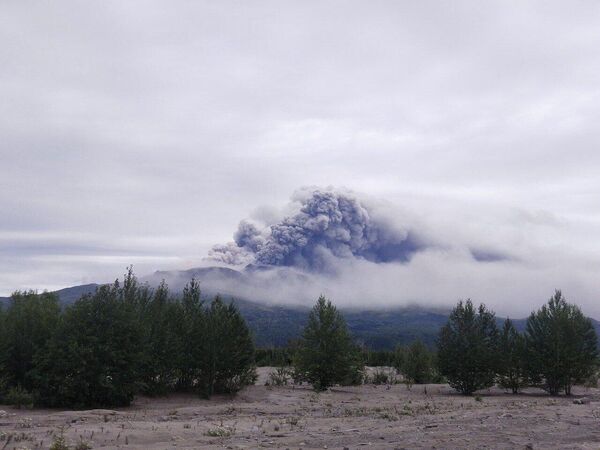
141 128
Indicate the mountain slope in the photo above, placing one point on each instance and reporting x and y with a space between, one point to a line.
276 325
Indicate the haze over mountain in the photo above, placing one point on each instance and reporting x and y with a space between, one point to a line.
274 325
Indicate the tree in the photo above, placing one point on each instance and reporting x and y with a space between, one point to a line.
561 345
417 367
225 350
467 348
326 353
161 322
28 323
512 373
192 317
93 358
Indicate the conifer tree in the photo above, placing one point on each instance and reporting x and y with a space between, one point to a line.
467 348
226 350
512 373
28 323
92 360
192 313
326 353
561 345
417 366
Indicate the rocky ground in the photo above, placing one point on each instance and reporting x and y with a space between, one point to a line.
383 417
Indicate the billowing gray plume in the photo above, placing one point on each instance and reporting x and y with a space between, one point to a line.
328 225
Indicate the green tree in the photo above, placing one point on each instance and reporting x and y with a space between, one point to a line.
326 353
467 348
512 372
161 323
92 360
225 350
417 365
192 318
399 358
561 345
28 323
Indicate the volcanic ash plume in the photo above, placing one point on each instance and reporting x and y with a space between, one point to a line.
327 226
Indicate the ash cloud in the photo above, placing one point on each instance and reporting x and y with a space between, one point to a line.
327 226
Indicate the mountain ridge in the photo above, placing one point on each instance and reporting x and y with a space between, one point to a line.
275 325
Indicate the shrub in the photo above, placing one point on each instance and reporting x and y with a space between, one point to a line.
19 397
467 348
280 377
59 442
380 377
83 445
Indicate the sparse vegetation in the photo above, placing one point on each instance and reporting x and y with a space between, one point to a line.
380 377
59 442
280 377
219 431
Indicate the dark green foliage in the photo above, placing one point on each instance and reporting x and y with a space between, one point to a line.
561 345
191 318
467 348
123 339
379 358
512 373
19 397
417 364
226 350
268 357
326 353
94 357
162 318
27 324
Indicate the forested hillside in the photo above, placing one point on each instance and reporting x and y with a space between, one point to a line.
275 325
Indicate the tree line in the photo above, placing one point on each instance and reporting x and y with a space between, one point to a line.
128 338
557 350
124 339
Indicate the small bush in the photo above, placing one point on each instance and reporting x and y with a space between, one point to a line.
59 442
380 377
219 432
83 445
280 377
19 397
591 381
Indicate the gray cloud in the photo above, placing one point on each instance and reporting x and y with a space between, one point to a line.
141 132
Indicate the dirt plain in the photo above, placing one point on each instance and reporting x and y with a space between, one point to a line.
294 417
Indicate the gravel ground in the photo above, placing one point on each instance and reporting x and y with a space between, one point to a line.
382 417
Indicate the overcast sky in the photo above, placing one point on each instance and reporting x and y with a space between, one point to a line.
141 132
